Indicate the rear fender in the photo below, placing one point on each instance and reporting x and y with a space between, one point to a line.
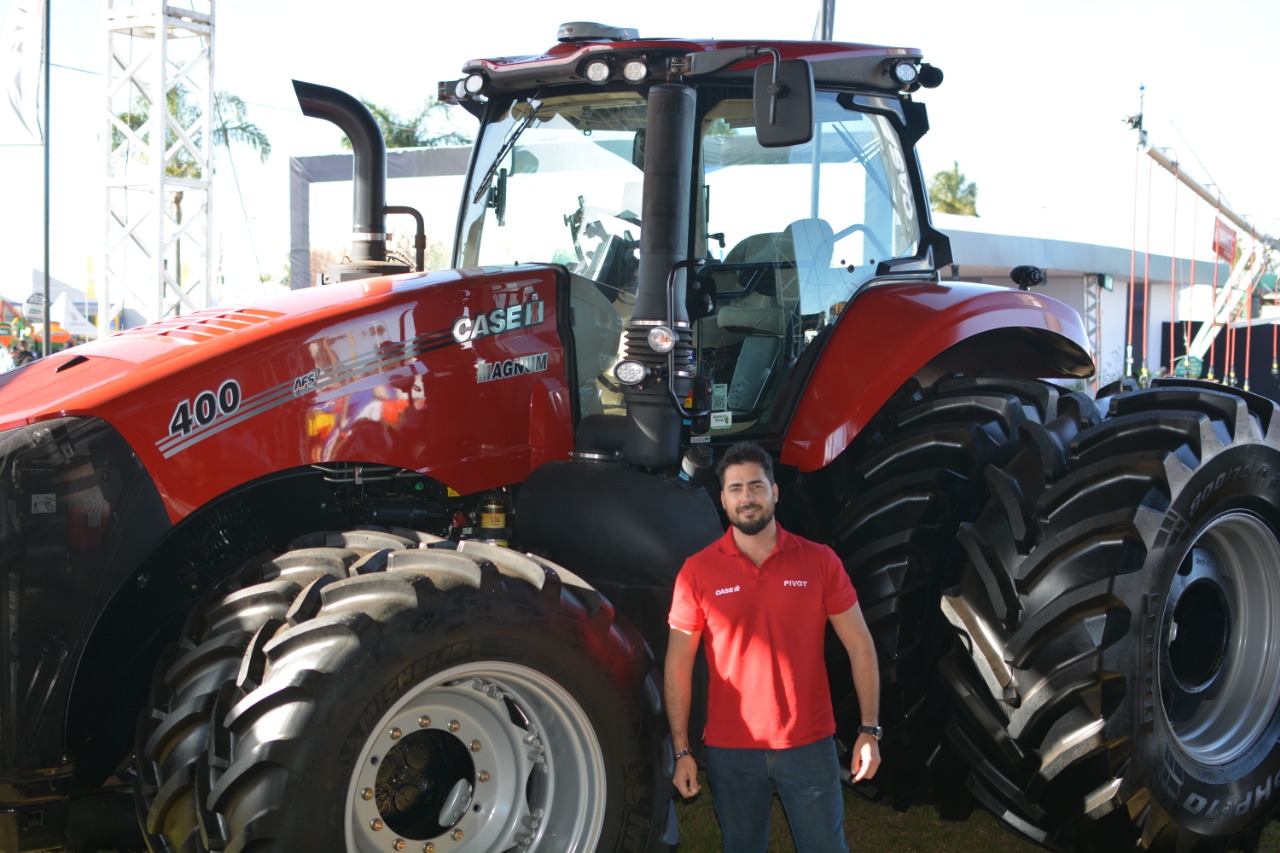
892 332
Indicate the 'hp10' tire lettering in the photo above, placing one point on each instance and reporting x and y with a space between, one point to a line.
207 407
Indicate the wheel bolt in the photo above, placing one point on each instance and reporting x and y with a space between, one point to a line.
366 794
424 722
398 844
484 776
395 734
376 824
475 746
454 725
429 847
457 835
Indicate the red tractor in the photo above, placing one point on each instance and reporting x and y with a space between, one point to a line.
255 583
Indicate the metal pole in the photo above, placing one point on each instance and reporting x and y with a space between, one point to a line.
826 19
1172 167
47 89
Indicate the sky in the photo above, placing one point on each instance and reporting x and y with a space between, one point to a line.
1032 107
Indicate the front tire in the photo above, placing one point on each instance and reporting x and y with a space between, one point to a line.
468 699
1118 673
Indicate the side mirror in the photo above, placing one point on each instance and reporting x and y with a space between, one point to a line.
783 100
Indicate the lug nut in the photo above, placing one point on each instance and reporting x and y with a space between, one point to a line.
475 746
456 835
398 844
366 794
484 776
429 847
395 734
424 721
454 725
376 824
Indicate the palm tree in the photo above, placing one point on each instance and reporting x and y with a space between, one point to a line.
429 127
950 192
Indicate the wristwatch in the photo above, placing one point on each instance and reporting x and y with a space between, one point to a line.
876 732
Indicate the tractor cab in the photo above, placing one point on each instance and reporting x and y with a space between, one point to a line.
716 206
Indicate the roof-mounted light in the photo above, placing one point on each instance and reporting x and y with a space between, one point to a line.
468 87
905 72
598 71
635 71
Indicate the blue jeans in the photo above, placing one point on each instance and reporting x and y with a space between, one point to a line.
807 779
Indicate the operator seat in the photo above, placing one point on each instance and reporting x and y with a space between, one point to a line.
771 323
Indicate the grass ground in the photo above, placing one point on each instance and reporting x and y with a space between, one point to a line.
873 827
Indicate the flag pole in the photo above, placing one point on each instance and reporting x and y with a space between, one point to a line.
47 110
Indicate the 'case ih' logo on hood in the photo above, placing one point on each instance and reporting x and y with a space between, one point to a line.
517 316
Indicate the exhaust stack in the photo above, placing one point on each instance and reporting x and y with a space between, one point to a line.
369 175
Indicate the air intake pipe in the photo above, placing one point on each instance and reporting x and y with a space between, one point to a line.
369 174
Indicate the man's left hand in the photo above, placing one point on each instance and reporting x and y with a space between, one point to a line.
866 758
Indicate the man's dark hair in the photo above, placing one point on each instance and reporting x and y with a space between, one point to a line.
742 452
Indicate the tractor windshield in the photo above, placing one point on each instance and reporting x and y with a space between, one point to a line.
789 234
558 180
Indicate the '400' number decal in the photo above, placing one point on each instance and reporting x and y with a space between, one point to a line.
207 407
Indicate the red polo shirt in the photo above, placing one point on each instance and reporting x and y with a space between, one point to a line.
763 631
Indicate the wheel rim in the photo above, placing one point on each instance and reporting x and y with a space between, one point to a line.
1220 678
484 756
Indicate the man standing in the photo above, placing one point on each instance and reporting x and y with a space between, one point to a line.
763 597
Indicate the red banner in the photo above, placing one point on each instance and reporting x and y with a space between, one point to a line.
1224 241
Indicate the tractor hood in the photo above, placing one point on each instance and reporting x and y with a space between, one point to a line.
371 371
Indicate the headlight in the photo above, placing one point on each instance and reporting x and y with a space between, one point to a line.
630 372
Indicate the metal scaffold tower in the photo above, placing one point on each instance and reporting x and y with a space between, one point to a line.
159 158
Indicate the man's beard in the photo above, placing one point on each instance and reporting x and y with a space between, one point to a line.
752 526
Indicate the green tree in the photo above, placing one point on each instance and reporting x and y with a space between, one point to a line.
430 127
950 192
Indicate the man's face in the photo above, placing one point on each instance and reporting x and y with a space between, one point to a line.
748 497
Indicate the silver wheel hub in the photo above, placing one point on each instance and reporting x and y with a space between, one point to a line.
481 757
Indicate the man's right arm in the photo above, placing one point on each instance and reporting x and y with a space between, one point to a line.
677 692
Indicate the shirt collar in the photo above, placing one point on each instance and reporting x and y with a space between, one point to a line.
728 545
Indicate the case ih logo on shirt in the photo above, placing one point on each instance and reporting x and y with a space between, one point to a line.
517 316
487 371
728 589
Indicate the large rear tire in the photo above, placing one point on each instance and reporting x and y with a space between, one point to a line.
469 700
904 487
1118 674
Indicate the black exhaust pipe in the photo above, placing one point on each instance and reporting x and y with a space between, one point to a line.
369 174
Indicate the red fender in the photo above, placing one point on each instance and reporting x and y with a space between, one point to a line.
892 332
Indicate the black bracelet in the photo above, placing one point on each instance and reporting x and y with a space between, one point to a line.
682 753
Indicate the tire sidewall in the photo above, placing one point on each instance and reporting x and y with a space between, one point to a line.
1212 801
